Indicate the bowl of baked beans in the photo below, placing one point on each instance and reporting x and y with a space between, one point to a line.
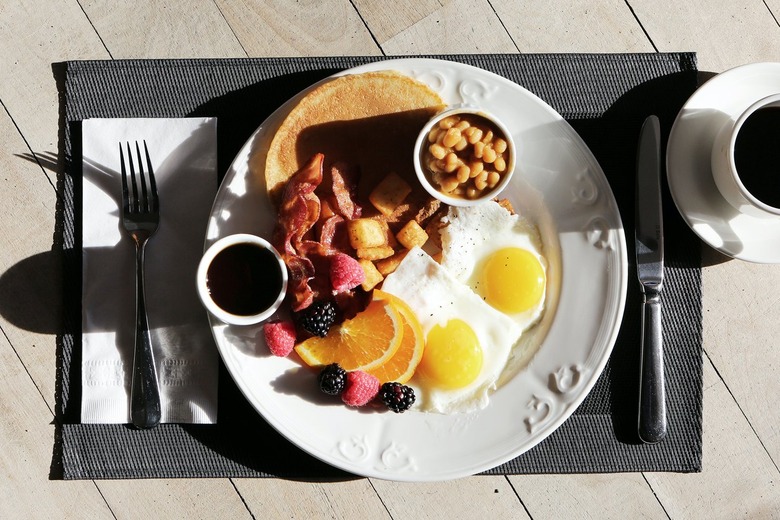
464 156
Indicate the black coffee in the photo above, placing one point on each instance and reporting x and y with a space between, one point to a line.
757 155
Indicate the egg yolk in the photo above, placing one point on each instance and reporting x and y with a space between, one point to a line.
452 357
513 280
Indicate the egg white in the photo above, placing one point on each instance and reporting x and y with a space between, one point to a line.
474 233
436 298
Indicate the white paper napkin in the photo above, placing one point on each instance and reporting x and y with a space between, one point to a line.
184 157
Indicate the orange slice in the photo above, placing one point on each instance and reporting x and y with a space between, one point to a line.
365 342
400 368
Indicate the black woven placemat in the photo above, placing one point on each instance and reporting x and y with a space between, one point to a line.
605 98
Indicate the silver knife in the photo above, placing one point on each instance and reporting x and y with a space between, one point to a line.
649 240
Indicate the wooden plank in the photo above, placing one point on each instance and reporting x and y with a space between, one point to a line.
738 480
467 498
309 28
459 26
723 33
34 37
742 338
160 29
277 498
587 496
174 498
565 26
386 22
30 274
27 437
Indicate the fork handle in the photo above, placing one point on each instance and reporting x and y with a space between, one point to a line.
144 393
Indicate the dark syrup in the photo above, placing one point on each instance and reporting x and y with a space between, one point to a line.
244 279
757 155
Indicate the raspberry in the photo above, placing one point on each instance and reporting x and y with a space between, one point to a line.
280 337
332 379
361 388
397 397
345 273
317 318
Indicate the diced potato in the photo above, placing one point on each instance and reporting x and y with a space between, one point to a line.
366 232
437 257
373 276
412 235
389 194
374 253
390 264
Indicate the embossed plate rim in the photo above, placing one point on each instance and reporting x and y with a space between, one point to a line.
563 186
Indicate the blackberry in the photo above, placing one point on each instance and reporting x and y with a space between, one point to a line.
317 318
332 379
397 397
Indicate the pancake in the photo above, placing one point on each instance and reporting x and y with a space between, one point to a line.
369 120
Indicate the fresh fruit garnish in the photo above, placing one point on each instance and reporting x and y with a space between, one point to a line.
317 318
345 273
397 397
362 343
360 389
332 379
401 366
279 337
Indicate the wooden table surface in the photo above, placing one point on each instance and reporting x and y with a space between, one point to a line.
740 477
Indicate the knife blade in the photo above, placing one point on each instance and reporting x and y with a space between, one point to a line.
649 242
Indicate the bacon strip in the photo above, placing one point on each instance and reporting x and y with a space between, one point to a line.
343 188
298 212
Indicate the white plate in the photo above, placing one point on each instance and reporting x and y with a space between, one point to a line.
562 187
689 172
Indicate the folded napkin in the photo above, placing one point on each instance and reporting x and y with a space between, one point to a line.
184 156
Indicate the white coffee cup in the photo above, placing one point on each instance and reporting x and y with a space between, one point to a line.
241 279
724 168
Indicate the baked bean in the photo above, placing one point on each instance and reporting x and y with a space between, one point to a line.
448 122
489 155
463 173
437 151
451 137
460 150
499 164
479 149
476 168
480 182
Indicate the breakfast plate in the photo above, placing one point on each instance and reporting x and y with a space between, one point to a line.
689 171
560 186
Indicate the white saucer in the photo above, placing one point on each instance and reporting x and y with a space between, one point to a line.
688 164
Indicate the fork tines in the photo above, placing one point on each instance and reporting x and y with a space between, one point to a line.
132 201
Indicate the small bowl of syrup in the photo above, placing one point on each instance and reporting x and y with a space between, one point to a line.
241 279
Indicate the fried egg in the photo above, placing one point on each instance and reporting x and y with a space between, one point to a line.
468 342
498 255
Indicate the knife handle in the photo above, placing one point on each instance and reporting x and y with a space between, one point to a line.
652 400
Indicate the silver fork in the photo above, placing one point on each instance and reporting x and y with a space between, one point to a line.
140 217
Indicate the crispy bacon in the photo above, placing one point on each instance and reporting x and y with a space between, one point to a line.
340 189
312 227
298 212
300 207
334 235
